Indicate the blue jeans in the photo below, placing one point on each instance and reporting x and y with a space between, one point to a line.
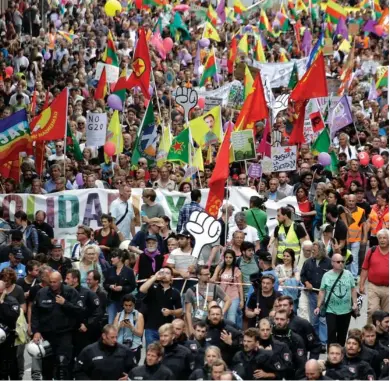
112 309
232 312
318 322
354 266
151 335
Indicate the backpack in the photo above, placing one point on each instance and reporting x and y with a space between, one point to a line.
44 241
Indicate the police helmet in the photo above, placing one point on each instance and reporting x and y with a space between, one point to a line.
4 332
40 350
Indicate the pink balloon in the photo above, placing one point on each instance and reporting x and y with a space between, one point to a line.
168 44
201 102
378 30
109 149
158 44
378 161
181 8
9 70
364 159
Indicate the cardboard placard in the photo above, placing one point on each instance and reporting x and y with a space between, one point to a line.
112 72
96 129
353 29
243 145
284 158
328 47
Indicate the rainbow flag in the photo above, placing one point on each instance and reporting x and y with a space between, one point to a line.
16 138
335 11
382 77
210 68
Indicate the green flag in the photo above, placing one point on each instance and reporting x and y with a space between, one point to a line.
72 145
146 144
294 77
180 148
178 25
322 144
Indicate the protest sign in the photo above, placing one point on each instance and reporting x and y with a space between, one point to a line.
96 129
186 98
353 29
284 158
328 47
66 210
112 72
254 171
243 145
211 102
222 92
266 164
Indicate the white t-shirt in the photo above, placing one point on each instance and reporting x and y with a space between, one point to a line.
251 234
182 260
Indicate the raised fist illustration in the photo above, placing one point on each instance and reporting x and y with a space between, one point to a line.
204 228
187 98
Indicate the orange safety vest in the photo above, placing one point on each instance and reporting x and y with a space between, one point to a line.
374 222
355 229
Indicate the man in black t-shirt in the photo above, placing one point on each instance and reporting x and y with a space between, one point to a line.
340 228
32 270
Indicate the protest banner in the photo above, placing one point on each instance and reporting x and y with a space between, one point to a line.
222 92
284 158
211 102
66 210
96 129
243 145
112 72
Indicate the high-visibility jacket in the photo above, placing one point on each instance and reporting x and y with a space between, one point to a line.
374 222
356 228
288 241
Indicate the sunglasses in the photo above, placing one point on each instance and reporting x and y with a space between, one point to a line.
339 262
59 146
118 182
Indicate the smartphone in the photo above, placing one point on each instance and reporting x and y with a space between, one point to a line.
126 321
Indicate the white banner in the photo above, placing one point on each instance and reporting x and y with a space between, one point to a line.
284 158
96 129
66 210
279 73
112 72
222 92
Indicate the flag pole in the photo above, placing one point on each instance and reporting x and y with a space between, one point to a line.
155 93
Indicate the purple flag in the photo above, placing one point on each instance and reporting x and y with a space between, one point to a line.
197 60
369 26
306 42
341 116
221 11
341 28
373 94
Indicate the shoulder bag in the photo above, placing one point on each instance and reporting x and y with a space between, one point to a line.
325 306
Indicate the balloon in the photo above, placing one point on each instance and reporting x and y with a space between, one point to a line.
111 7
218 78
151 90
9 70
378 161
378 30
201 102
79 180
324 159
158 44
109 149
58 23
181 8
168 44
47 56
364 159
187 58
115 102
204 43
54 17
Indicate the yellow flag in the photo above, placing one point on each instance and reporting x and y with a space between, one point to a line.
345 46
243 44
164 146
197 160
248 82
207 129
210 32
114 135
260 56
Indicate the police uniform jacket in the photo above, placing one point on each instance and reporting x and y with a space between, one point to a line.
51 317
154 372
179 360
198 349
359 368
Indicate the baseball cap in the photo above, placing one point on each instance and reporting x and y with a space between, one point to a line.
17 236
17 253
151 237
184 233
56 245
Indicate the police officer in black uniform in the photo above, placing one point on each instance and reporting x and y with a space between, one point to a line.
9 314
360 369
88 330
153 368
283 333
334 366
55 313
274 358
106 359
301 326
198 344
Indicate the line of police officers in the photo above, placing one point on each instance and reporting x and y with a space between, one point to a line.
70 318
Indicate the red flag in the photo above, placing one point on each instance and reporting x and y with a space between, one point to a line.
33 103
232 56
297 136
47 97
255 106
316 121
141 66
313 83
101 89
11 169
50 124
39 157
218 178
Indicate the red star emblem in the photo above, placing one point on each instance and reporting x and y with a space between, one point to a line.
139 67
178 147
288 149
210 32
